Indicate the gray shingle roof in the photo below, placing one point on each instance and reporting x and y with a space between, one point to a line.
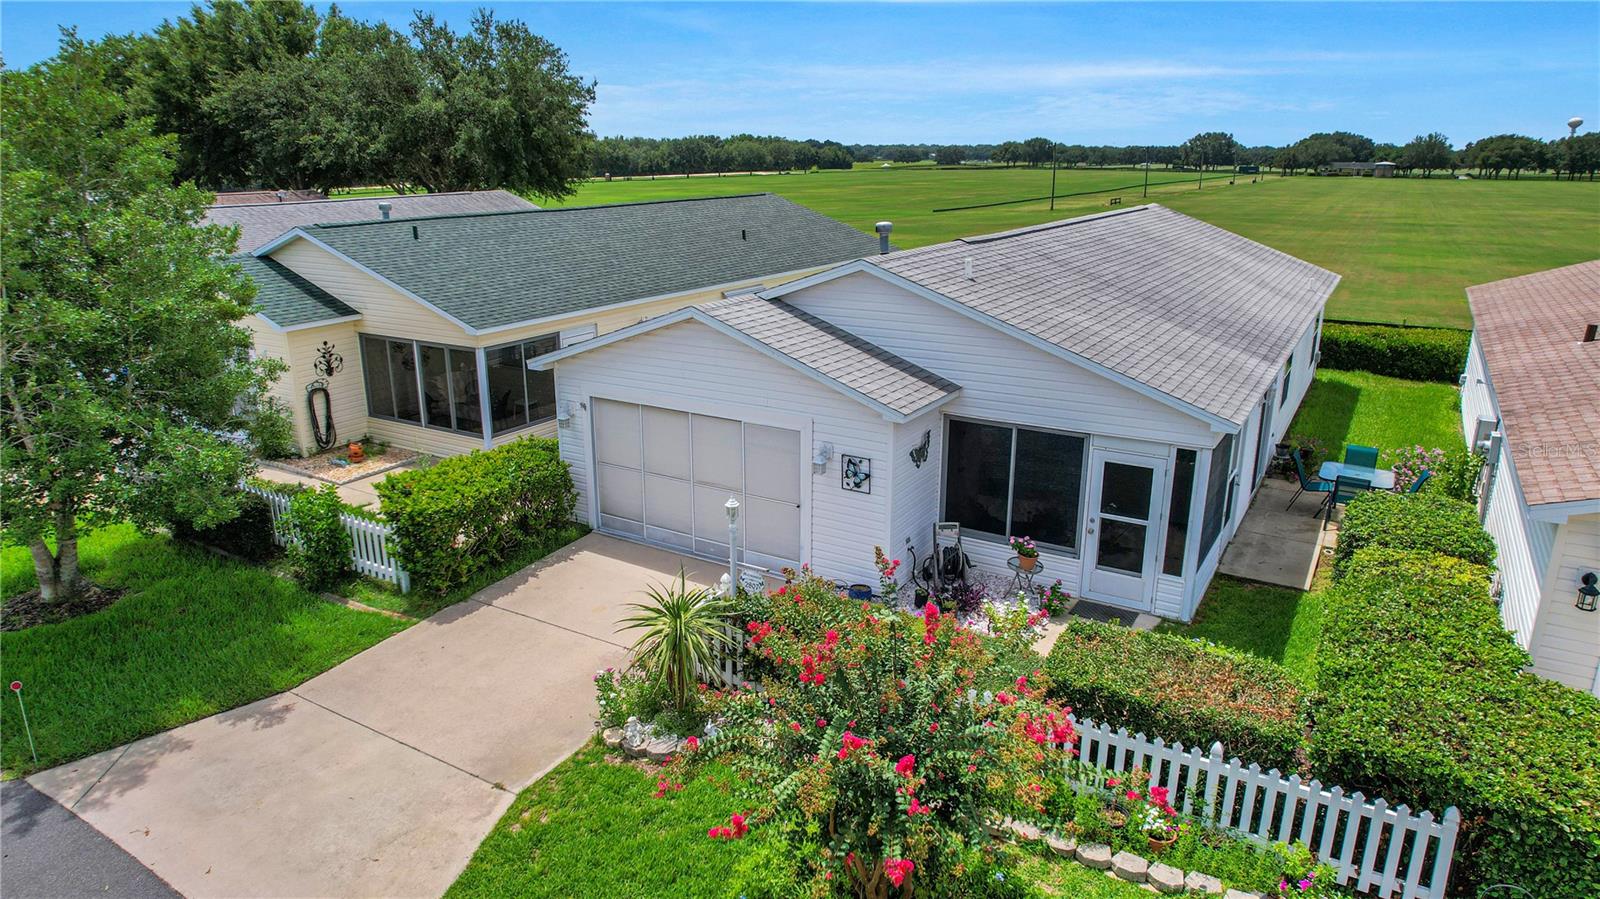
1195 312
285 298
500 269
259 223
834 353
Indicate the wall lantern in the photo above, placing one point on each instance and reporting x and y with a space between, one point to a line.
1588 593
819 459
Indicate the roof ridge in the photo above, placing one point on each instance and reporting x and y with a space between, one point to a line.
375 198
413 219
1059 223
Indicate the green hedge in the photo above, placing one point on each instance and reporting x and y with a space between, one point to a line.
467 513
1427 521
1416 354
248 536
1180 690
1421 699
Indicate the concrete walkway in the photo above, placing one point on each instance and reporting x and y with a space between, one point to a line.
1279 546
381 776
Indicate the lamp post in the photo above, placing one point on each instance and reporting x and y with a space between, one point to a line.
732 508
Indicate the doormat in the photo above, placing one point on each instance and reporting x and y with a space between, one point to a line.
1109 614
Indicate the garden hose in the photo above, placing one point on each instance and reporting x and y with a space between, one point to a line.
322 432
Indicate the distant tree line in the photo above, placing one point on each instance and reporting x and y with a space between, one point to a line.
704 154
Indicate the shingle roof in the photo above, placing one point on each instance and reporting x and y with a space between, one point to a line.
834 353
500 269
285 298
259 223
1546 379
1195 312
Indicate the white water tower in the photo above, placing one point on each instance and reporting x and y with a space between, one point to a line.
1574 124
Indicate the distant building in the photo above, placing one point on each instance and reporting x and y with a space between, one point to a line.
253 197
1361 169
1383 169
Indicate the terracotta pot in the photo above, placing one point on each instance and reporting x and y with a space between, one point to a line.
1026 563
356 453
1159 846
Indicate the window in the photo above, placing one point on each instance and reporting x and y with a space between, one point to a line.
519 397
464 391
1288 373
1219 494
448 380
391 375
1002 481
1178 511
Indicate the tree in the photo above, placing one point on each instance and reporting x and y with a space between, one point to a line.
1037 151
907 155
124 358
1427 152
1212 149
950 155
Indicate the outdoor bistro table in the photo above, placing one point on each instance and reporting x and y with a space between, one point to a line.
1379 478
1021 578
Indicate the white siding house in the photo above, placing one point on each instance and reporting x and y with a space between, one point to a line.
1530 398
1098 385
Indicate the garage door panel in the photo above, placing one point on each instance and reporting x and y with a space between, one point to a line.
772 463
621 492
771 530
668 503
710 513
666 442
718 452
616 433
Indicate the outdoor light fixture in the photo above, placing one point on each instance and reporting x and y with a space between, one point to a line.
820 458
1588 593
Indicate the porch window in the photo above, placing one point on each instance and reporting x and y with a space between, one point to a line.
519 397
447 378
1178 511
390 369
1220 487
1288 373
1002 480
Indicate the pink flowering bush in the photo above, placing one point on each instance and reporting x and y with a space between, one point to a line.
1055 600
1411 462
881 741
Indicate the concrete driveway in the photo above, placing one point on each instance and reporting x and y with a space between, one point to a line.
381 776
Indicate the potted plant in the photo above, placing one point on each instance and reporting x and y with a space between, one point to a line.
1056 600
1027 553
1159 827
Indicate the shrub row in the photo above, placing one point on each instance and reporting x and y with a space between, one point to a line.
248 536
1179 689
1416 354
1428 521
1422 699
469 512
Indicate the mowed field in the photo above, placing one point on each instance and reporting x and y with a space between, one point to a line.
1406 248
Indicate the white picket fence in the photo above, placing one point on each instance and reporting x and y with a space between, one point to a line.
727 661
370 550
1388 852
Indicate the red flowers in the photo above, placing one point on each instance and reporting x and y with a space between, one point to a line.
735 831
897 869
1004 698
822 722
933 728
851 743
809 673
930 618
794 726
1022 683
917 808
664 786
759 630
691 744
905 766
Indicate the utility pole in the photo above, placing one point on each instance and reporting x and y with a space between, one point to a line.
1146 193
1053 167
1202 185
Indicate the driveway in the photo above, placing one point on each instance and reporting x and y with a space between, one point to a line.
381 776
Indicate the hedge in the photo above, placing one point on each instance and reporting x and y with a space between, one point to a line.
1179 689
1416 354
1422 700
1427 521
248 535
469 512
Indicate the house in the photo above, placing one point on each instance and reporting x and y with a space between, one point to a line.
1111 386
1530 401
1361 169
242 197
260 221
1383 169
416 330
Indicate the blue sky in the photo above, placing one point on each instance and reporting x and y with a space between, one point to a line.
1088 73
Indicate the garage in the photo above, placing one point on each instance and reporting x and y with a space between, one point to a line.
664 476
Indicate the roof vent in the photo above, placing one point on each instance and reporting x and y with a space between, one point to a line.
1590 333
383 209
414 234
883 229
281 195
966 268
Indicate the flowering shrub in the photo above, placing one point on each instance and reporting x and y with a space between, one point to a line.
1024 548
1411 462
1311 450
881 740
1056 600
888 569
633 694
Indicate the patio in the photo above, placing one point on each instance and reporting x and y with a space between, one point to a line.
1278 546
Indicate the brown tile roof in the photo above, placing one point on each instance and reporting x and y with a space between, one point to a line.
832 352
1546 380
1198 313
260 223
246 197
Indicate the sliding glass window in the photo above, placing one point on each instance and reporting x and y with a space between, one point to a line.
1219 494
391 374
447 377
518 397
1004 481
1178 511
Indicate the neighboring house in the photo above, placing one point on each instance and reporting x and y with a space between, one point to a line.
241 197
1111 386
1531 400
260 221
419 328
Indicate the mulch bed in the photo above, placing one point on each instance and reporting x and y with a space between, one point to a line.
29 609
327 467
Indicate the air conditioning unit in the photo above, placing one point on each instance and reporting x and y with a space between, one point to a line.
1483 433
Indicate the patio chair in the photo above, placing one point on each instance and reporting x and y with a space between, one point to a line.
1344 490
1308 484
1421 479
1359 456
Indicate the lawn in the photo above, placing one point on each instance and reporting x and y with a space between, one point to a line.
1389 413
1279 624
591 828
194 635
1406 248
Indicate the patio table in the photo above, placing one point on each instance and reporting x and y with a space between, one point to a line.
1379 478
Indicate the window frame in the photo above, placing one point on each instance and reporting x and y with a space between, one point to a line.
1288 376
520 346
422 403
1011 481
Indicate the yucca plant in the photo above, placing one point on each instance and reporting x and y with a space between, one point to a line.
682 630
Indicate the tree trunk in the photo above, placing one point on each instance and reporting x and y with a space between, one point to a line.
58 573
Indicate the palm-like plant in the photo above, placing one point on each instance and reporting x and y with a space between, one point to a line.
682 630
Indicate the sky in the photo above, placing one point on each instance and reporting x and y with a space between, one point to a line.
1078 73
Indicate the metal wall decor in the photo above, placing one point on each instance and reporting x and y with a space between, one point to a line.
328 363
919 453
855 474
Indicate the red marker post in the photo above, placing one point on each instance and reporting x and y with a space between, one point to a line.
16 687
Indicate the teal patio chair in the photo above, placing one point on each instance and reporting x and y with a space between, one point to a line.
1344 490
1359 456
1308 484
1421 479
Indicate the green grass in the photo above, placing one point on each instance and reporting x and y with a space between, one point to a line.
194 635
420 604
1279 624
591 828
1406 248
1345 407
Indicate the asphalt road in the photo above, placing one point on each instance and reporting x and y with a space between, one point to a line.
47 852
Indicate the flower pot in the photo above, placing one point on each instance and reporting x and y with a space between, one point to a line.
1162 845
921 597
860 592
1026 563
356 453
1115 818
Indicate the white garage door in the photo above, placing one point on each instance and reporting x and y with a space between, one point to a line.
664 475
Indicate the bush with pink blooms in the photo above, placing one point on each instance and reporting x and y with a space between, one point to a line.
880 741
